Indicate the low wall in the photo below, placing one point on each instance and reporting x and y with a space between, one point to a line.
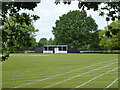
47 51
102 51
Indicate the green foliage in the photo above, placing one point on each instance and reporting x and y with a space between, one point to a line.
33 44
112 8
110 36
42 41
14 7
17 31
51 42
75 28
40 44
19 37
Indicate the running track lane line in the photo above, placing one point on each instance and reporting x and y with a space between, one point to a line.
73 70
61 74
96 77
111 84
77 76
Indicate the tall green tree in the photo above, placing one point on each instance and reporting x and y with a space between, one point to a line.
50 42
33 44
42 41
20 37
17 28
110 37
75 28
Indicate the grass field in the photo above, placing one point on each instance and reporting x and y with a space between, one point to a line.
60 71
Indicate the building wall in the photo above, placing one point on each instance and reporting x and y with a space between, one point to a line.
55 52
39 50
72 49
55 49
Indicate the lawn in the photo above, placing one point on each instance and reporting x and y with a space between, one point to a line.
60 71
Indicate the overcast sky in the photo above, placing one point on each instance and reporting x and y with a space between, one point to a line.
49 12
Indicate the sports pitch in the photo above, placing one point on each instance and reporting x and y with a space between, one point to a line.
60 71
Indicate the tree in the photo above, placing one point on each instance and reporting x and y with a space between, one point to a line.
20 37
42 41
111 9
95 41
110 36
17 29
33 44
13 8
50 42
75 28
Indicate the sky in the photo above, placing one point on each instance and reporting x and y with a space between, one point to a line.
49 12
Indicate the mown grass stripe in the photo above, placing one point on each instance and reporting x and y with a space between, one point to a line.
111 83
78 75
56 76
95 78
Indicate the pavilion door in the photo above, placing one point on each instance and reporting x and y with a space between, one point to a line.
56 50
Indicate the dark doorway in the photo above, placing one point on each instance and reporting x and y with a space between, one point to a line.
53 50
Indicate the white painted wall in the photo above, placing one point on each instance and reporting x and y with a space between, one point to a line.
55 52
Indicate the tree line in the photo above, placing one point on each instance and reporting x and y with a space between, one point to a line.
77 29
18 31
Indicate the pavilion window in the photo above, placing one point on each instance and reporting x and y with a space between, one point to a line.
64 48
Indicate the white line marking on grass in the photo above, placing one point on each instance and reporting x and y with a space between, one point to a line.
86 67
111 83
78 75
61 74
96 77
